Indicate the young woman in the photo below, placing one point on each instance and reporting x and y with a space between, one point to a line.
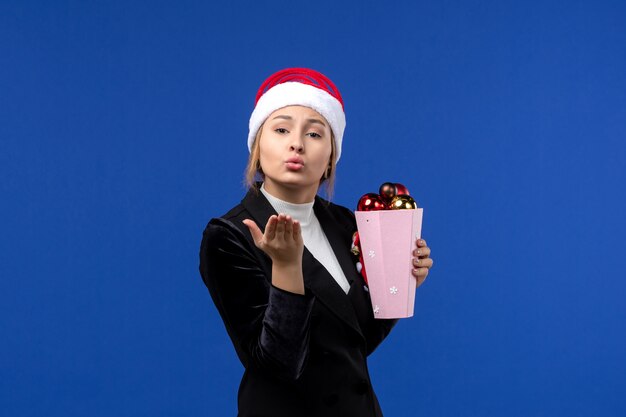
279 266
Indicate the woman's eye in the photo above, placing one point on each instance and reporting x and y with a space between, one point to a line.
281 130
315 135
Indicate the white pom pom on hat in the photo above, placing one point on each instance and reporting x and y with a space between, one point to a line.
299 87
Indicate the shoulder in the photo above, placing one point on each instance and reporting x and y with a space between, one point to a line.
225 228
335 209
226 243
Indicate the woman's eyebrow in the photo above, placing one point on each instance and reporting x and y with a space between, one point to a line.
285 117
316 121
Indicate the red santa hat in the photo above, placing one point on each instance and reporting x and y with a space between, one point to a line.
299 87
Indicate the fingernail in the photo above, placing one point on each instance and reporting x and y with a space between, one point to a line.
419 252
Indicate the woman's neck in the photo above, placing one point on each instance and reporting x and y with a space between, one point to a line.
296 195
301 212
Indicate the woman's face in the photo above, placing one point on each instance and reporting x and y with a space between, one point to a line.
295 148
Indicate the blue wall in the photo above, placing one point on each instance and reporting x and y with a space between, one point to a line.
122 132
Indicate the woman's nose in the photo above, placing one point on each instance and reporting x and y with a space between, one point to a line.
297 148
296 145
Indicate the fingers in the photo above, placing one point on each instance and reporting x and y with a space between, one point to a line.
284 227
422 250
279 228
270 228
282 240
423 263
420 274
288 228
297 231
256 233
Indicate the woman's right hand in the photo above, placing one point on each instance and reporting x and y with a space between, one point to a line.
282 242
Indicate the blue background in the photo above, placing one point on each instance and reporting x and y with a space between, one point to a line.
122 132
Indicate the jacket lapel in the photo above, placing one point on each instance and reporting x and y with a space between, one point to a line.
316 278
339 235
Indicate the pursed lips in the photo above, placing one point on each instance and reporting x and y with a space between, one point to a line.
294 163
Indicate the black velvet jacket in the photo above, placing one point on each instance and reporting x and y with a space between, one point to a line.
304 355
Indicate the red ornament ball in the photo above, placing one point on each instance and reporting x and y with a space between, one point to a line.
401 189
371 202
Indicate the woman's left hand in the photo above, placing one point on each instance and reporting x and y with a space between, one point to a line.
421 261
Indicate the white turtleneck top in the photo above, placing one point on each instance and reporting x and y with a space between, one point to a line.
312 234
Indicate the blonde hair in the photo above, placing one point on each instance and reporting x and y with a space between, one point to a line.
254 173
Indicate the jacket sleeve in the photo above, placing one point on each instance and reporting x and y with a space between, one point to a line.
377 332
269 327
